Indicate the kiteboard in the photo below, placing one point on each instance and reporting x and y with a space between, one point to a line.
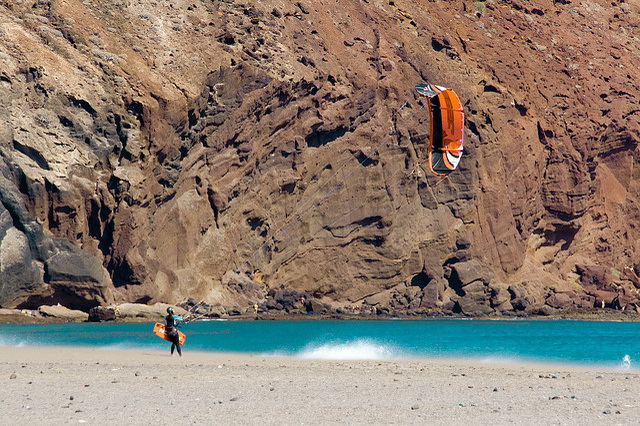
159 330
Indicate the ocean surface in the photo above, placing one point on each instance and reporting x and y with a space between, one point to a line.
600 343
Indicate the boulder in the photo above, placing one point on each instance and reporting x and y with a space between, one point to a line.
315 307
103 313
139 311
79 278
547 310
271 305
475 301
560 300
520 304
405 297
62 313
603 299
499 294
289 300
414 297
518 291
477 289
450 305
504 307
467 272
133 312
432 294
474 307
585 301
595 276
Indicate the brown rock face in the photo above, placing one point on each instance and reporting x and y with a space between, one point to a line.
270 155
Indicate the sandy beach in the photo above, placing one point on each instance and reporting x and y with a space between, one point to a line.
54 385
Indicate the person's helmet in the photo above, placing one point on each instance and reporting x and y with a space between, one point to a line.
169 310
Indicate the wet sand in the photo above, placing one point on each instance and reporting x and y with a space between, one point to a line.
53 385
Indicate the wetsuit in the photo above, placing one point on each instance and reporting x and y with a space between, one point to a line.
172 332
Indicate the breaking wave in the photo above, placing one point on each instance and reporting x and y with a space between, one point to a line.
626 362
361 349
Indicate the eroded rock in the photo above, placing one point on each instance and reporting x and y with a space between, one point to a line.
148 155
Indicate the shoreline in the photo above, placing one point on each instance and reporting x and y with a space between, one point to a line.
609 315
57 385
80 353
28 352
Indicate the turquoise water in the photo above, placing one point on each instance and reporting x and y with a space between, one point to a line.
604 343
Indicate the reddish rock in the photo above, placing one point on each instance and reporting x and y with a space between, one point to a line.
598 277
149 166
560 301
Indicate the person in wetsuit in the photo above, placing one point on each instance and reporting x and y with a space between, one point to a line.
171 330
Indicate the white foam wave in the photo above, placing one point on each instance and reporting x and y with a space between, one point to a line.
5 341
626 362
361 349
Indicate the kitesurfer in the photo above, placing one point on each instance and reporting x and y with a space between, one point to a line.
171 330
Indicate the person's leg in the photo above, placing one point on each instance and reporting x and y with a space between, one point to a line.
177 343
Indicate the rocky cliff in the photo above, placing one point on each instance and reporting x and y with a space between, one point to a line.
270 155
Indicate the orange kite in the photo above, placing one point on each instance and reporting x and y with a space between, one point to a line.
447 128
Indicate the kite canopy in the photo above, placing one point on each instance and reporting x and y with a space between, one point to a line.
447 128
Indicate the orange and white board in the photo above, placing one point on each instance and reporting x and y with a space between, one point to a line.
159 330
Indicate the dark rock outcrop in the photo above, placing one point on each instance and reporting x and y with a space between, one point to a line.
36 268
103 313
